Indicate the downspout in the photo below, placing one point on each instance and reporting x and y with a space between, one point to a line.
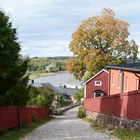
109 78
121 80
139 80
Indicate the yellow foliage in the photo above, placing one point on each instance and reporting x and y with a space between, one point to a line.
99 40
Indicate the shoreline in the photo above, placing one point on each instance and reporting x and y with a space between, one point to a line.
33 76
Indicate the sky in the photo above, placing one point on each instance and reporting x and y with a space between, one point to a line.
45 27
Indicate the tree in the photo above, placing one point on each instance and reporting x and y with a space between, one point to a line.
13 82
101 40
41 96
78 96
69 65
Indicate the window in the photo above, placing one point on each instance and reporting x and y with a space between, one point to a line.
126 83
98 83
98 93
137 84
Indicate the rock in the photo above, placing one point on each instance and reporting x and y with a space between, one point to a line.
113 122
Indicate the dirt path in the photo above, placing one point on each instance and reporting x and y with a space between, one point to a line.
67 127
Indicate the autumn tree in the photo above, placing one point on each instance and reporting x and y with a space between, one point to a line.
13 82
101 40
69 65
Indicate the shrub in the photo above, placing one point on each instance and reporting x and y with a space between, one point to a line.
81 112
61 102
48 93
42 96
78 96
41 101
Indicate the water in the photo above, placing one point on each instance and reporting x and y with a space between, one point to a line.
64 78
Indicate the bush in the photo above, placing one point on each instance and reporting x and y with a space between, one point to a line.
61 102
81 112
41 101
78 96
48 93
41 96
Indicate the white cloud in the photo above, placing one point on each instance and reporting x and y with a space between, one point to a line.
45 26
46 48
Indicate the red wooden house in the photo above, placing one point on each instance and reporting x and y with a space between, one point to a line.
97 85
123 90
124 78
124 94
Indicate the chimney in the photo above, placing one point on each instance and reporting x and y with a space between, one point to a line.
32 81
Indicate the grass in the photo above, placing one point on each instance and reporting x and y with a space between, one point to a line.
123 134
16 134
95 125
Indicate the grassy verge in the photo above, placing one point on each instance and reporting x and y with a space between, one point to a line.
16 134
123 134
95 125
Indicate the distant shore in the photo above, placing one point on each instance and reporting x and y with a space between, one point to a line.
42 74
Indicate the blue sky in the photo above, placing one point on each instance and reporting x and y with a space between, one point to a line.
45 26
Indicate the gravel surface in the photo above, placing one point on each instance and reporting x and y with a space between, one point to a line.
67 127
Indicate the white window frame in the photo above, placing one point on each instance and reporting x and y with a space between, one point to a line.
98 83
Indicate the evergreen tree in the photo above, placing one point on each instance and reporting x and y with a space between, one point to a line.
13 83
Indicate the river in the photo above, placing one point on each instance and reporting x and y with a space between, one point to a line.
64 78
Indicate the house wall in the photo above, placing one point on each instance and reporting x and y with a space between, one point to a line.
90 86
114 89
129 81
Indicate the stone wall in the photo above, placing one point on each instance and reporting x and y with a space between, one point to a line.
113 121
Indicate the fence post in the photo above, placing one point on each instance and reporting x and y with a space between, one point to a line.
19 117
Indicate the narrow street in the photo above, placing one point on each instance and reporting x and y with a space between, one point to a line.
67 126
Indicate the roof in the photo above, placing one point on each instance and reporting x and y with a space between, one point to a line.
135 67
60 90
67 91
50 86
103 70
36 84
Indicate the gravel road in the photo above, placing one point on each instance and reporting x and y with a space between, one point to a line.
67 127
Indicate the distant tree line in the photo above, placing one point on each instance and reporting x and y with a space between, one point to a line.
47 64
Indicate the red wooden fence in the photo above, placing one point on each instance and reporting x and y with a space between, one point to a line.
124 105
9 116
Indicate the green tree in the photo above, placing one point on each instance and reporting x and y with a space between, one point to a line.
98 41
13 83
78 96
48 93
41 96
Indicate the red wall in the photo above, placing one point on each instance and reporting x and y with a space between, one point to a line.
124 105
9 116
90 86
132 84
